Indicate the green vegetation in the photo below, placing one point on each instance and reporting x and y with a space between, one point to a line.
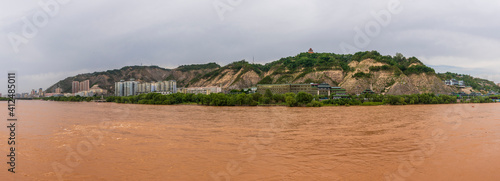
374 99
186 68
72 98
380 68
4 98
311 61
306 63
418 69
219 99
390 83
362 75
289 99
266 80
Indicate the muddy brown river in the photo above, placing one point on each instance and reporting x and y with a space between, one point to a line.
107 141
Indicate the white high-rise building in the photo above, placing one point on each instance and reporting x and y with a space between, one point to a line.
126 88
163 87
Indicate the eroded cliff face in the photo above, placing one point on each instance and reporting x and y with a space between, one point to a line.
387 82
184 77
379 81
230 79
430 84
332 77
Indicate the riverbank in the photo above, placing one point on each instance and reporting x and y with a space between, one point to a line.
289 99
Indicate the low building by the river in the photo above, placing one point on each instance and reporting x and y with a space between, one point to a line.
339 93
286 88
200 90
323 89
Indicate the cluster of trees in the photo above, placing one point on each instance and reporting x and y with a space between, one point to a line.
72 98
427 98
418 69
219 99
186 68
289 99
399 61
379 68
362 75
214 99
266 80
309 61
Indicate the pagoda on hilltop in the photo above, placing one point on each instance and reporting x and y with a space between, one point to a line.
310 50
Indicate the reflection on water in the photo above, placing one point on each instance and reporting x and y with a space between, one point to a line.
106 141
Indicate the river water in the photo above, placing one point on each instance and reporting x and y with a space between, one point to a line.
108 141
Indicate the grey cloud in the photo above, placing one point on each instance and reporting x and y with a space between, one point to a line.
99 35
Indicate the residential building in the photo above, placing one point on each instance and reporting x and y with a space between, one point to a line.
126 88
75 87
455 82
164 87
84 85
119 88
79 86
40 92
58 90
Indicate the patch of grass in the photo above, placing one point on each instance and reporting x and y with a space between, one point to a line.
372 103
362 75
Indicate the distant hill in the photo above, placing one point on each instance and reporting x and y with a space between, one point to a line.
358 72
107 79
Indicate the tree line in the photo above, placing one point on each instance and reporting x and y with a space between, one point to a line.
301 99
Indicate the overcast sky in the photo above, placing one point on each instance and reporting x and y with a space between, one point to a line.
94 35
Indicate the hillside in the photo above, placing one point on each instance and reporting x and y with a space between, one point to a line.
477 84
364 70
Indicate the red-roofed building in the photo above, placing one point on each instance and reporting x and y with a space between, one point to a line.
310 50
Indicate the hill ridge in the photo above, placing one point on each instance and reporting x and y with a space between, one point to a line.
355 72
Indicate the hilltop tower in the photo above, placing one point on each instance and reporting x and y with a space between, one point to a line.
310 50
